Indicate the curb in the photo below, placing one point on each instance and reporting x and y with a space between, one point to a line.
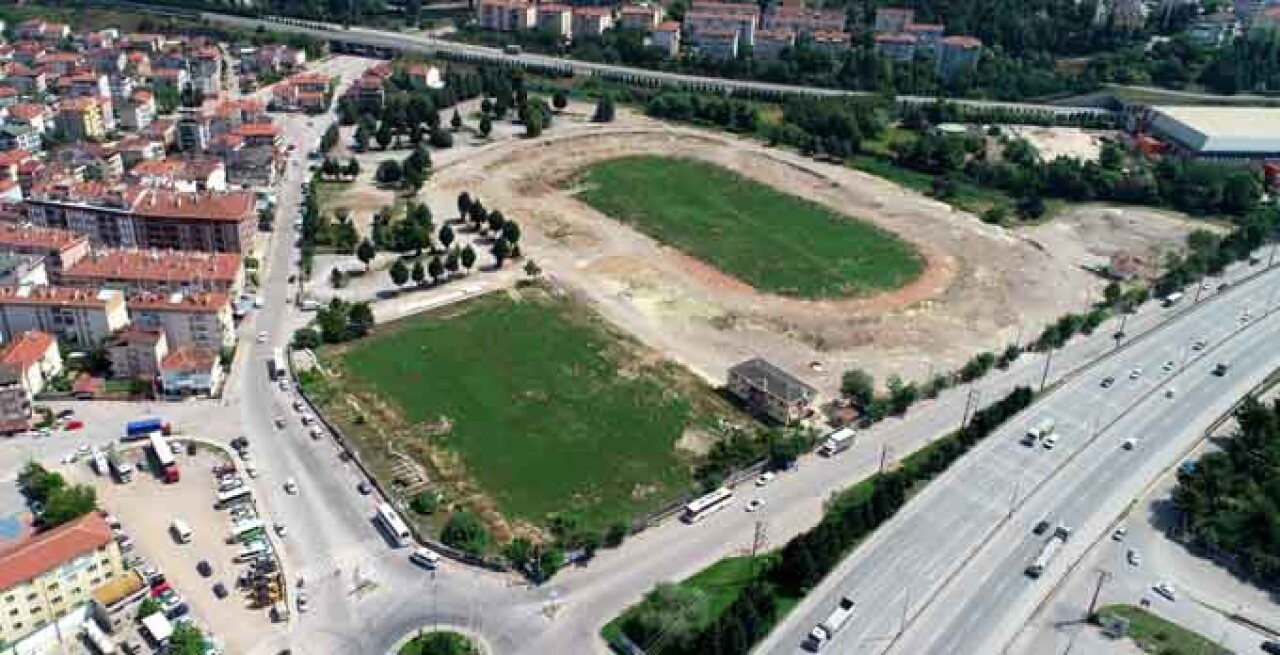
477 639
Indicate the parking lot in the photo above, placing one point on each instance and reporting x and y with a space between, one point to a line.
146 508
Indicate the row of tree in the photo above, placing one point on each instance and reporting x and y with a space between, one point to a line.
336 322
59 502
664 618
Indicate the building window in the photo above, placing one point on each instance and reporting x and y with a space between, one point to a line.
32 596
9 598
92 568
107 574
56 600
17 627
13 612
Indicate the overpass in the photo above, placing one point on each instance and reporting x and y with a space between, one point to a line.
380 43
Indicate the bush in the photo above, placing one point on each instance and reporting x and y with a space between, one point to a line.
425 503
466 532
441 139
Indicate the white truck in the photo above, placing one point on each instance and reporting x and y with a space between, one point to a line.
837 442
1048 551
1042 428
100 465
122 470
823 633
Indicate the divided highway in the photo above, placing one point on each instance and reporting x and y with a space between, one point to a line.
946 575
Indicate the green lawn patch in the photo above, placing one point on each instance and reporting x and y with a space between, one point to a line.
439 643
1156 635
775 242
551 411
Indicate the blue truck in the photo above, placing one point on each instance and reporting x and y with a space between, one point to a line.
143 427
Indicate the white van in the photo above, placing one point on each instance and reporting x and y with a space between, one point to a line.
424 557
181 531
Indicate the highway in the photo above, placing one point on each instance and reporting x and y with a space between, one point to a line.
946 574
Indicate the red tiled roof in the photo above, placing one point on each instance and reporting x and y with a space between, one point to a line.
86 384
667 26
14 235
137 335
154 266
258 129
210 302
190 359
962 42
60 296
47 550
15 157
903 39
28 349
26 111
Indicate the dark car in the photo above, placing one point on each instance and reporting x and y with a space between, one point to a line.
364 488
1272 647
240 443
1040 527
204 568
1108 381
66 412
220 590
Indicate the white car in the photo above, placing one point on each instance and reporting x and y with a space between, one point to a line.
1119 534
316 433
280 530
82 450
1165 589
262 337
1134 558
259 302
302 601
1199 345
1135 374
1170 392
1050 441
280 422
284 385
251 470
1130 443
1168 366
755 504
765 478
291 486
425 557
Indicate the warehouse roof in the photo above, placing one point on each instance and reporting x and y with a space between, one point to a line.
1209 130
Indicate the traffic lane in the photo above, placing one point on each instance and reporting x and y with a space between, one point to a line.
1086 484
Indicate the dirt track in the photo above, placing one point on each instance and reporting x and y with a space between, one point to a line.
983 287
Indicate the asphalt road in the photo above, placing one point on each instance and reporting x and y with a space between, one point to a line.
950 564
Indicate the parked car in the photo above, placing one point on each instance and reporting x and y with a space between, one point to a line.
204 569
364 488
1040 528
1165 589
220 590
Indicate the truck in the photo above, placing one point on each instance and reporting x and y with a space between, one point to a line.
1042 428
1172 299
836 442
512 49
163 453
823 633
1052 546
143 427
278 367
100 464
122 470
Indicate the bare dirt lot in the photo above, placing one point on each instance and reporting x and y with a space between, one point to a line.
983 285
1053 142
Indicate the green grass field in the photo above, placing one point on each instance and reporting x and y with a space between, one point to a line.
1156 635
552 411
773 241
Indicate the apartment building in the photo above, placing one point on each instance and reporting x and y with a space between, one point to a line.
771 43
137 353
716 43
666 37
82 317
45 575
82 118
20 137
194 129
15 405
154 271
507 15
898 47
640 17
59 248
190 371
29 114
206 70
803 21
928 36
591 21
957 54
833 43
35 358
893 19
720 16
133 216
186 174
187 319
556 19
89 84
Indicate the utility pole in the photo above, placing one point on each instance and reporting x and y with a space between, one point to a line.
1013 498
1272 258
759 540
884 453
1044 377
906 603
1103 576
969 403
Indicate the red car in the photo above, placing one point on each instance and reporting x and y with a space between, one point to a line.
74 425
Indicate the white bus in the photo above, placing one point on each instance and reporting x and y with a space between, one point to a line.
277 364
232 496
391 521
707 505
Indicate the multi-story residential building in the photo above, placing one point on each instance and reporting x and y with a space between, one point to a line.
507 15
194 129
137 64
45 575
132 216
15 406
137 353
89 84
928 36
591 21
137 148
957 54
893 20
719 16
58 64
137 111
260 135
35 357
186 174
30 115
173 78
771 43
42 31
8 95
60 249
153 271
81 317
771 390
898 47
190 371
27 80
206 70
716 43
642 17
122 88
253 166
556 19
274 59
107 60
803 21
187 319
666 37
90 161
82 118
11 162
19 137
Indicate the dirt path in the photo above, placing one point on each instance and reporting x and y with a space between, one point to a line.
983 285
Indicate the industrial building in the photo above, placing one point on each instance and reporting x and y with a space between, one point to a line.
1239 134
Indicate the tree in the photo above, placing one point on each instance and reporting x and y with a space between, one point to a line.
456 121
399 272
352 169
306 339
486 126
147 607
67 504
901 395
451 263
486 106
366 252
360 319
511 232
559 100
425 503
330 139
38 483
496 221
389 171
383 136
441 139
330 168
532 269
858 386
501 251
446 236
674 612
419 273
337 279
604 110
466 532
1111 293
468 257
186 640
435 269
415 135
464 205
532 120
361 138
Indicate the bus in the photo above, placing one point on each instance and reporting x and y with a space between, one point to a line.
163 453
278 369
707 505
232 496
394 526
102 644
